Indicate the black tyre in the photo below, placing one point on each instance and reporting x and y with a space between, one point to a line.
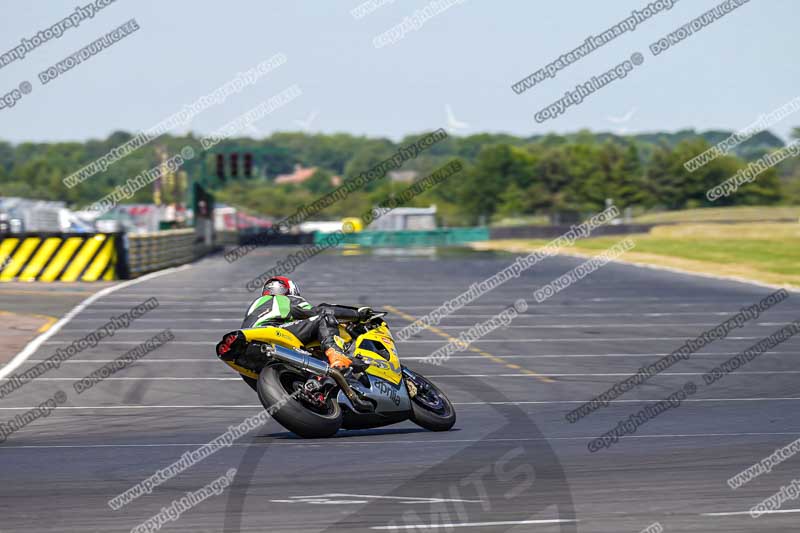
430 408
276 383
253 383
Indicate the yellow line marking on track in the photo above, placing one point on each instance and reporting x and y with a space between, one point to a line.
49 320
487 355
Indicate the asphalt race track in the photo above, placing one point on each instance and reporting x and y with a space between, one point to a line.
512 463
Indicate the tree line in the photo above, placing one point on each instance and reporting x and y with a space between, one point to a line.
504 176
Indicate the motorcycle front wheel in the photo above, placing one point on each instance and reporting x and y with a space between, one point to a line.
276 383
430 408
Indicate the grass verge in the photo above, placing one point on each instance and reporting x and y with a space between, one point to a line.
766 253
728 214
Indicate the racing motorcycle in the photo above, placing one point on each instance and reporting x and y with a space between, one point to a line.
313 399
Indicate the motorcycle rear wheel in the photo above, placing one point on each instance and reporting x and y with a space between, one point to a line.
276 383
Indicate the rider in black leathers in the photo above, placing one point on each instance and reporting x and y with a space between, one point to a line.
280 305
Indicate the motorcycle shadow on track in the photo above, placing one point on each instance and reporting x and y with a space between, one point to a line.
512 473
352 433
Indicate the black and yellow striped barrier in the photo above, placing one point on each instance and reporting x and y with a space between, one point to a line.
59 257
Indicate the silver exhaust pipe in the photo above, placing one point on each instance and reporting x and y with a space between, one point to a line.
305 361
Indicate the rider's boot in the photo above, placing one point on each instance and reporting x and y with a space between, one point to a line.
337 359
328 328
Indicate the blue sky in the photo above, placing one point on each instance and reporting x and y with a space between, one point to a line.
466 57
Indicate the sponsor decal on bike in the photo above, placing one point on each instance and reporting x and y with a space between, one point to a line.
388 391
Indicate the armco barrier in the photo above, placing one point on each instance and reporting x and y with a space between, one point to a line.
153 251
264 237
437 237
551 232
226 238
51 257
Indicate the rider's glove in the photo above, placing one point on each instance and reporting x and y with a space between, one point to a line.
364 313
359 364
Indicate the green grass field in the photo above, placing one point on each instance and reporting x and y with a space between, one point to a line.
765 252
728 214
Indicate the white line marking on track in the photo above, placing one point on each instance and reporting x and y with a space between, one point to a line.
34 345
697 400
349 441
215 361
237 316
149 378
575 339
236 308
436 376
567 356
521 402
607 374
447 525
403 499
533 326
140 361
90 407
482 341
740 513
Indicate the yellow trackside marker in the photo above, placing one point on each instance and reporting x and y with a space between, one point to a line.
111 270
39 259
82 258
100 262
62 257
478 351
6 246
19 258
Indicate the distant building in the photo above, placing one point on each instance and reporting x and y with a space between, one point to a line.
321 226
33 215
403 175
227 218
405 218
299 175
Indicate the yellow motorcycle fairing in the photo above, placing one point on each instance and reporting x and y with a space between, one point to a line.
272 335
282 337
380 367
269 335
